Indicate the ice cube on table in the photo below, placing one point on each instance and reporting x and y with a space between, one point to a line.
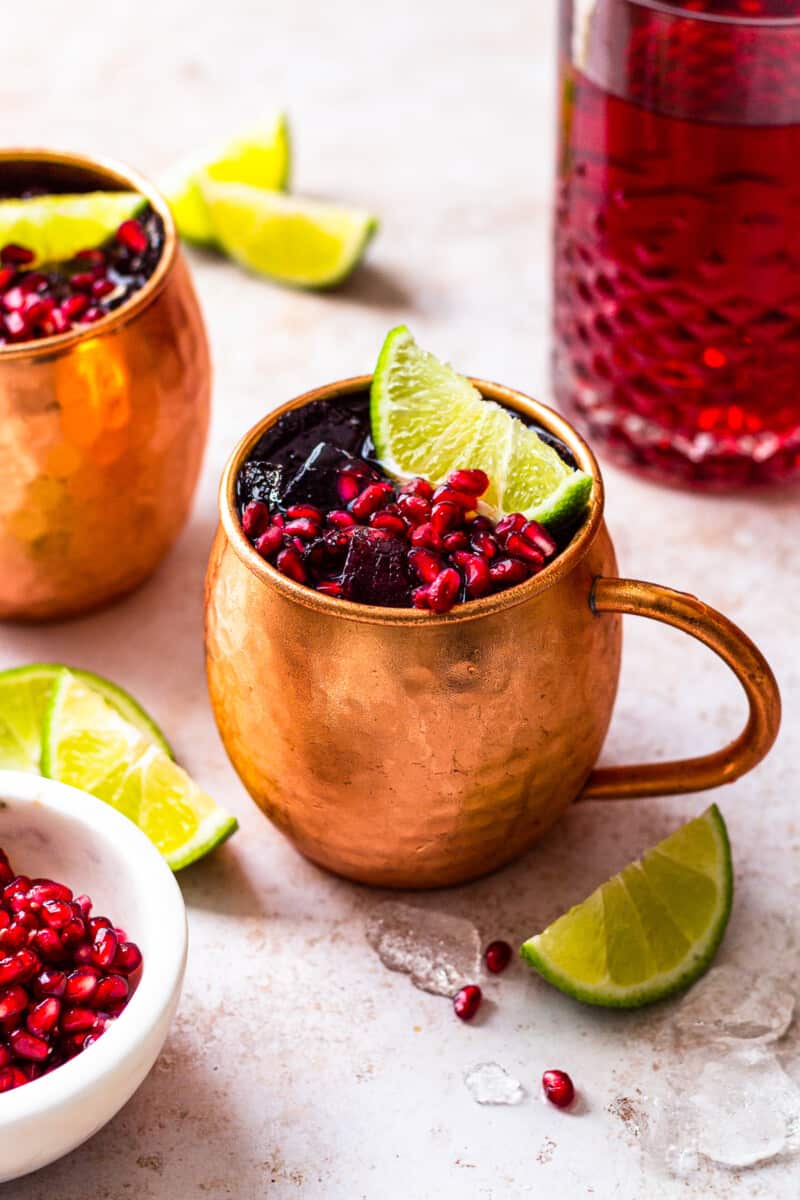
729 1004
489 1083
440 952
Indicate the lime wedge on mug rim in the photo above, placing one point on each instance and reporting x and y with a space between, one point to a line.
89 745
428 420
25 694
650 930
57 227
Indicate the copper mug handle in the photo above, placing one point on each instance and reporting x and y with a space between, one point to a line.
733 647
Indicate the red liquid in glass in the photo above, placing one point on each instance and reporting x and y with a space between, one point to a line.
677 279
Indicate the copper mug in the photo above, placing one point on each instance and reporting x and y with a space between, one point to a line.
102 430
405 749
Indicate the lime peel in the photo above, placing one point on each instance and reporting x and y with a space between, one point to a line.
57 227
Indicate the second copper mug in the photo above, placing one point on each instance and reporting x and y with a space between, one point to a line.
404 749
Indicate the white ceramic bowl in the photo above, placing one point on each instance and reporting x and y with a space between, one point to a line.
48 829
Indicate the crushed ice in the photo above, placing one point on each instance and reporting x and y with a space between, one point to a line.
440 952
489 1083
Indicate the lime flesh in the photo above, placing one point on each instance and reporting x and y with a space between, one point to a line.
25 694
649 931
57 227
91 746
298 242
259 157
428 420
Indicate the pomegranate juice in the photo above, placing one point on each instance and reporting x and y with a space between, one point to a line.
677 243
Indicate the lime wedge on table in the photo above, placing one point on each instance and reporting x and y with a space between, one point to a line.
91 746
56 227
259 156
25 694
650 930
428 420
295 241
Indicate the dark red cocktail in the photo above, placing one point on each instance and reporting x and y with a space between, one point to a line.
677 272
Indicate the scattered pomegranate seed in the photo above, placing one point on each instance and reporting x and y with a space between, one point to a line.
497 956
61 988
558 1088
467 1002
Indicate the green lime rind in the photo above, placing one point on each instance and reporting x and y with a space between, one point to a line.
89 745
25 694
260 156
648 932
293 241
428 420
57 227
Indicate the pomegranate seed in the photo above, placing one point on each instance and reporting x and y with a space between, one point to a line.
340 519
447 495
34 281
47 943
13 1000
426 566
538 536
373 497
558 1088
83 281
84 903
507 571
304 512
467 1002
18 256
95 924
330 587
443 591
12 1077
18 886
483 543
102 287
27 1045
419 597
104 947
514 523
43 1017
50 982
255 518
418 487
302 528
91 256
82 954
517 545
390 522
415 509
5 1054
132 236
5 919
347 486
455 541
497 956
74 305
81 984
474 482
476 575
74 931
427 537
16 325
13 938
92 314
47 889
57 913
59 320
128 959
270 541
6 275
445 516
77 1019
289 563
110 990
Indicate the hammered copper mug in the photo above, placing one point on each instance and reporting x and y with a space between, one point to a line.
404 749
102 429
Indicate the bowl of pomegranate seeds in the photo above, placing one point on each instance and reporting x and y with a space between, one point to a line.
92 955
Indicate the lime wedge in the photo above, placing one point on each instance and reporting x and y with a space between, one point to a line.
25 694
650 930
88 744
428 420
302 243
259 156
56 227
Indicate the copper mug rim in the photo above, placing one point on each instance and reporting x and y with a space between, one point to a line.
118 173
556 570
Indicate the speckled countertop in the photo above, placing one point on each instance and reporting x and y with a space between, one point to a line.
298 1068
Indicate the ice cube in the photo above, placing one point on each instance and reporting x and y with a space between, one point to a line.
440 952
260 481
489 1083
315 480
376 570
731 1005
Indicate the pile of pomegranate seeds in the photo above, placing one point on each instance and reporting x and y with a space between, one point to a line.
400 545
39 303
64 975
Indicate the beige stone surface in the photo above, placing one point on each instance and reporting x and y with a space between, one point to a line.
298 1068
